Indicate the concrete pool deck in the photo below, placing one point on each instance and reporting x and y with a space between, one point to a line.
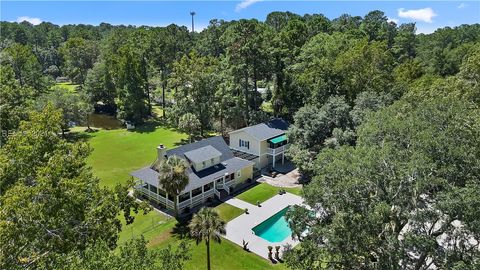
240 228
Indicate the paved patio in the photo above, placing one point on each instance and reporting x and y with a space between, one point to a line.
240 228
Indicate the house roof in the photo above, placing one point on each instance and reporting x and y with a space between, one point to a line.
229 164
216 142
202 154
197 179
265 131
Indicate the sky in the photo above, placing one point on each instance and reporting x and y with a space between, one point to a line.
428 15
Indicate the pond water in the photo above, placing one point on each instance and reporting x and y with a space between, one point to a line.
104 121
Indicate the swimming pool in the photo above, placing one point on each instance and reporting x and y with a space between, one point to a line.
274 229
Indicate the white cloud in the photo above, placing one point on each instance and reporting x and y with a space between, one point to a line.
462 5
33 21
424 14
392 20
245 3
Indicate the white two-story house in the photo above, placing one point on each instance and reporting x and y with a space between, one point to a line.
213 171
264 144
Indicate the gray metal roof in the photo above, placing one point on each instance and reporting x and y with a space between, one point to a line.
216 142
202 154
265 131
229 164
197 179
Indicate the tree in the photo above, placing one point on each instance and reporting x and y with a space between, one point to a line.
51 202
312 126
75 107
404 197
375 26
134 254
132 96
286 46
100 87
367 102
173 177
195 79
25 65
14 103
207 225
80 55
404 42
189 124
247 56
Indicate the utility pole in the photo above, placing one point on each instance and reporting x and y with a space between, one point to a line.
193 14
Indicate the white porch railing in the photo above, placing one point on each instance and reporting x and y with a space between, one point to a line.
216 192
154 196
278 150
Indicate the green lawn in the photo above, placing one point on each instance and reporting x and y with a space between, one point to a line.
118 152
228 212
68 86
151 225
263 192
224 256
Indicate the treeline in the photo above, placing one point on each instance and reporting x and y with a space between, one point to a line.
232 73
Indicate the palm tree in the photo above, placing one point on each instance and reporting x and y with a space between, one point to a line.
207 225
173 177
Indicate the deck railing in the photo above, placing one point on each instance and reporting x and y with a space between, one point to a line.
278 150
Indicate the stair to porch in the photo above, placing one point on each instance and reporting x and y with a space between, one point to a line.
223 194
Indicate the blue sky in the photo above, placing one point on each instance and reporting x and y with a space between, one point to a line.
429 15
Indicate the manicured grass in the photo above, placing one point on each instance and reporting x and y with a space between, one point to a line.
118 152
151 225
68 86
263 192
224 256
228 212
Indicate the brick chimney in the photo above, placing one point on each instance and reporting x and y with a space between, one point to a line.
162 151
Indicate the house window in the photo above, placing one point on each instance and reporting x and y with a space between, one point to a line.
184 197
204 164
232 176
243 143
239 173
208 186
162 193
153 189
213 161
196 191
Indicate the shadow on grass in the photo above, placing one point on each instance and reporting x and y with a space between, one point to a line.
181 229
80 136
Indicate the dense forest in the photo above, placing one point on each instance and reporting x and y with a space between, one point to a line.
385 130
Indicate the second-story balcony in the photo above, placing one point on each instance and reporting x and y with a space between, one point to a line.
277 150
277 145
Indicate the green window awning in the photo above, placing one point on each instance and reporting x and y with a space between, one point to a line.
279 139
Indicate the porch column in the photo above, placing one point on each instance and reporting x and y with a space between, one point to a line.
273 165
191 199
283 158
203 194
176 200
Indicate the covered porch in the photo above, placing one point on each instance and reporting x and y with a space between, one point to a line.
276 149
190 198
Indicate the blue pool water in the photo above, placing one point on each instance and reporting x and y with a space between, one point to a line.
275 228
